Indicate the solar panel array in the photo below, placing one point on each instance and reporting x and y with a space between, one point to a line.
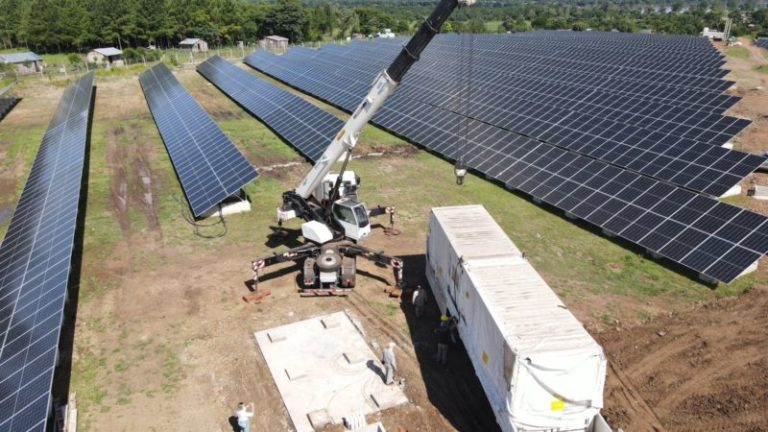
6 105
300 123
646 192
666 142
762 42
35 259
210 168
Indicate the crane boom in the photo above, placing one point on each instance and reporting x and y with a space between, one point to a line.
383 86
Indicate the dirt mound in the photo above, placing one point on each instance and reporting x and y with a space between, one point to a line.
705 369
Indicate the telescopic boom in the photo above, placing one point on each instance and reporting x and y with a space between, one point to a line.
383 86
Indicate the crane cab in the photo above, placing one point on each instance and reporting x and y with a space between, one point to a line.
352 216
349 184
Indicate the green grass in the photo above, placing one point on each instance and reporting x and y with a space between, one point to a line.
739 52
762 69
492 26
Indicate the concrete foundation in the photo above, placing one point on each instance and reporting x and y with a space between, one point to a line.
734 191
325 370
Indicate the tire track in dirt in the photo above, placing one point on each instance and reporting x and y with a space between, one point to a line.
704 369
116 161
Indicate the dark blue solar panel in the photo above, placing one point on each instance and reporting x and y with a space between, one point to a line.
629 205
209 166
307 128
664 149
6 105
35 260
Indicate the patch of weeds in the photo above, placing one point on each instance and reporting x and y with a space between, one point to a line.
87 379
124 395
762 69
391 309
645 316
738 52
608 318
122 365
171 370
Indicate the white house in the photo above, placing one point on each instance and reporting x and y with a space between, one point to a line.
713 34
109 56
26 62
194 45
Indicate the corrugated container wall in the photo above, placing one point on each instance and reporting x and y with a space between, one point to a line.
539 367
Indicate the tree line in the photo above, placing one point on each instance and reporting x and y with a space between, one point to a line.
77 25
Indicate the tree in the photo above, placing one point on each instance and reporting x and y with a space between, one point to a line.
287 18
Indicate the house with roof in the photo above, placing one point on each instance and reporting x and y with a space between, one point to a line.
274 43
25 62
110 56
194 45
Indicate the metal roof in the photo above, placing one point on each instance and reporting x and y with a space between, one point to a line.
482 237
277 38
21 57
109 52
190 41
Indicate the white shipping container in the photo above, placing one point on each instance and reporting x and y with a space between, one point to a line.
539 367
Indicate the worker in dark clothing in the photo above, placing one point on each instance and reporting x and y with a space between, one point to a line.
444 331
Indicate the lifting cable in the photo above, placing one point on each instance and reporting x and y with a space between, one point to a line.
464 103
187 215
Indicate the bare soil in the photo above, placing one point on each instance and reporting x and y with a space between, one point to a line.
704 369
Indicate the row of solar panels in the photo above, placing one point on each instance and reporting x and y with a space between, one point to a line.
209 166
711 238
660 149
36 253
35 261
762 42
6 105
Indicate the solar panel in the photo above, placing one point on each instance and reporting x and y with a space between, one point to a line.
300 123
762 42
35 259
496 89
713 239
6 105
661 150
210 168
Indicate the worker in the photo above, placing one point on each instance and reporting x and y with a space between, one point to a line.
244 417
444 331
418 300
390 363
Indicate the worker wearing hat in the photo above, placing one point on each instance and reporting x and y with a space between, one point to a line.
447 324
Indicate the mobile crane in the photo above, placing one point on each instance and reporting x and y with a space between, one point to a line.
335 219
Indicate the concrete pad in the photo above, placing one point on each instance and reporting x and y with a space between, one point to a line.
333 369
319 418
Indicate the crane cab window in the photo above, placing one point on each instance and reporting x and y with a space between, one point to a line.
362 216
344 214
351 212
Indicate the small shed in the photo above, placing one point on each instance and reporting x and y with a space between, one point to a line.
713 34
194 45
110 56
274 43
26 62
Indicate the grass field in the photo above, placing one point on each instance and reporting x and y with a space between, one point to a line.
738 52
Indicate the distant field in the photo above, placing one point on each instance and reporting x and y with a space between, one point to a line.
738 52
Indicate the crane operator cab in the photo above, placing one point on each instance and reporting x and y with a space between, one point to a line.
352 217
